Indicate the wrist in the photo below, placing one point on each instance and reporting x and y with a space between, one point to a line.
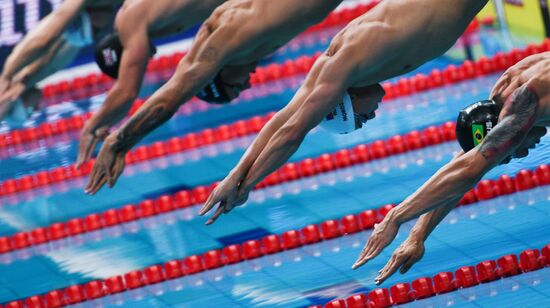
111 141
416 236
247 185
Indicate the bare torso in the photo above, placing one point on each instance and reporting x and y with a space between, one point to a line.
410 36
262 26
167 17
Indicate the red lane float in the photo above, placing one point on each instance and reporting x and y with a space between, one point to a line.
486 189
424 287
289 172
444 282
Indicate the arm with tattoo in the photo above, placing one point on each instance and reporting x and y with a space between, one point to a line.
186 82
194 71
443 190
451 182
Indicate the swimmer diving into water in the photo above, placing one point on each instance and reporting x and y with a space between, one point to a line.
137 23
393 38
52 45
490 133
227 49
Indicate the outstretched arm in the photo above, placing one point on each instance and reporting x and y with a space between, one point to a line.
228 188
462 174
199 66
31 74
450 183
135 39
412 249
40 38
284 133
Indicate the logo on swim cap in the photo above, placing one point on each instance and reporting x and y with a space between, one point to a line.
110 57
108 54
478 134
339 120
216 92
474 123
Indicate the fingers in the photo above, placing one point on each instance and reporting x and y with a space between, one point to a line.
97 180
362 254
391 267
217 214
85 149
117 171
407 265
213 199
371 250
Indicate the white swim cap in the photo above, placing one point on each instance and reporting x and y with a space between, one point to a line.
342 119
79 33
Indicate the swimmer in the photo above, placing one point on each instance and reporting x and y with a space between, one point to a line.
227 49
341 92
490 133
137 23
52 45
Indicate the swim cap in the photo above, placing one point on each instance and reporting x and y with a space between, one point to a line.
475 122
79 32
215 92
342 119
108 53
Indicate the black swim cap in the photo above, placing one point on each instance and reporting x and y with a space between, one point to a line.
215 92
474 123
108 53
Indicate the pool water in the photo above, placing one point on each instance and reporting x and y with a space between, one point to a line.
309 275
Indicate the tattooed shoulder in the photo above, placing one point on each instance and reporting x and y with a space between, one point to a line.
516 119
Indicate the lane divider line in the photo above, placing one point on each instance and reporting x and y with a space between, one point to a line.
464 277
308 167
314 233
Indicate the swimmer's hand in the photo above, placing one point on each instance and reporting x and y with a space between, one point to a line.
89 138
228 194
382 235
108 166
4 84
403 258
9 96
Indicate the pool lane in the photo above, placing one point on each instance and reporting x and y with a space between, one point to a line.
318 273
281 208
212 163
524 290
61 206
154 244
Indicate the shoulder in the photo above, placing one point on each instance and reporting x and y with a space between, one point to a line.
131 16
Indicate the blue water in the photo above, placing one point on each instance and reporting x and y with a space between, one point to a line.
309 275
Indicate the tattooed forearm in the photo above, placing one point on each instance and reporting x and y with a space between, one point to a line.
142 123
517 118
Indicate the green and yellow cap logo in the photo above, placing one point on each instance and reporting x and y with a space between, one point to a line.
477 133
